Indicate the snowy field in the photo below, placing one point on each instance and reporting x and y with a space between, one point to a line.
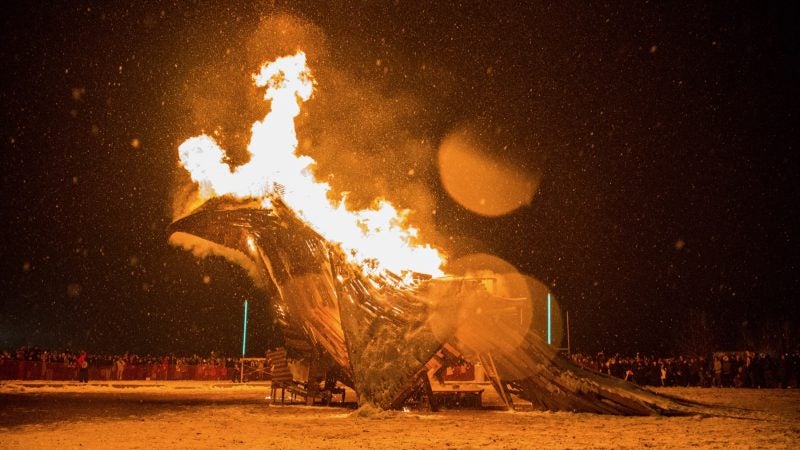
149 415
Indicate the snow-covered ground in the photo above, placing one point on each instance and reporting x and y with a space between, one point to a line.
221 415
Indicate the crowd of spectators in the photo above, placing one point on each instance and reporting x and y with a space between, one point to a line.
37 363
67 356
720 369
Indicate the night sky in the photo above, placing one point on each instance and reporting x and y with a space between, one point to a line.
665 137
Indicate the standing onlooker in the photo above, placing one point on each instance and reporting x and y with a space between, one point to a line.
119 365
83 368
717 371
727 371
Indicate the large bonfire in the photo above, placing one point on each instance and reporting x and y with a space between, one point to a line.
376 239
358 298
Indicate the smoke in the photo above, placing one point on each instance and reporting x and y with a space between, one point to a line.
202 248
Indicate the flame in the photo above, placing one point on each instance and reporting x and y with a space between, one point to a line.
377 239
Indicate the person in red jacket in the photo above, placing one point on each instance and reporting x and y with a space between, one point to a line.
83 368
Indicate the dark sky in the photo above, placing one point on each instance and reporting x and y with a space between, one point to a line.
666 137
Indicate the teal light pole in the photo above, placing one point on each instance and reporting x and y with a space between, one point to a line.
244 342
549 322
244 332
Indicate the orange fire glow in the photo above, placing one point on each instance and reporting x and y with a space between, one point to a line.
377 239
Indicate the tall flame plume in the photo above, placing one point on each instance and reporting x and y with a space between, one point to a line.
377 239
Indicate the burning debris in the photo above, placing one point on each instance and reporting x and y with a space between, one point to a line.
356 298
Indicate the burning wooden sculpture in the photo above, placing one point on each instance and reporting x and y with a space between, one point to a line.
382 337
346 311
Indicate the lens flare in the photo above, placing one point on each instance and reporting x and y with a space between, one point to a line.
482 183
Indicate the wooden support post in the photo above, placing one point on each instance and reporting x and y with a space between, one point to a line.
426 383
491 370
